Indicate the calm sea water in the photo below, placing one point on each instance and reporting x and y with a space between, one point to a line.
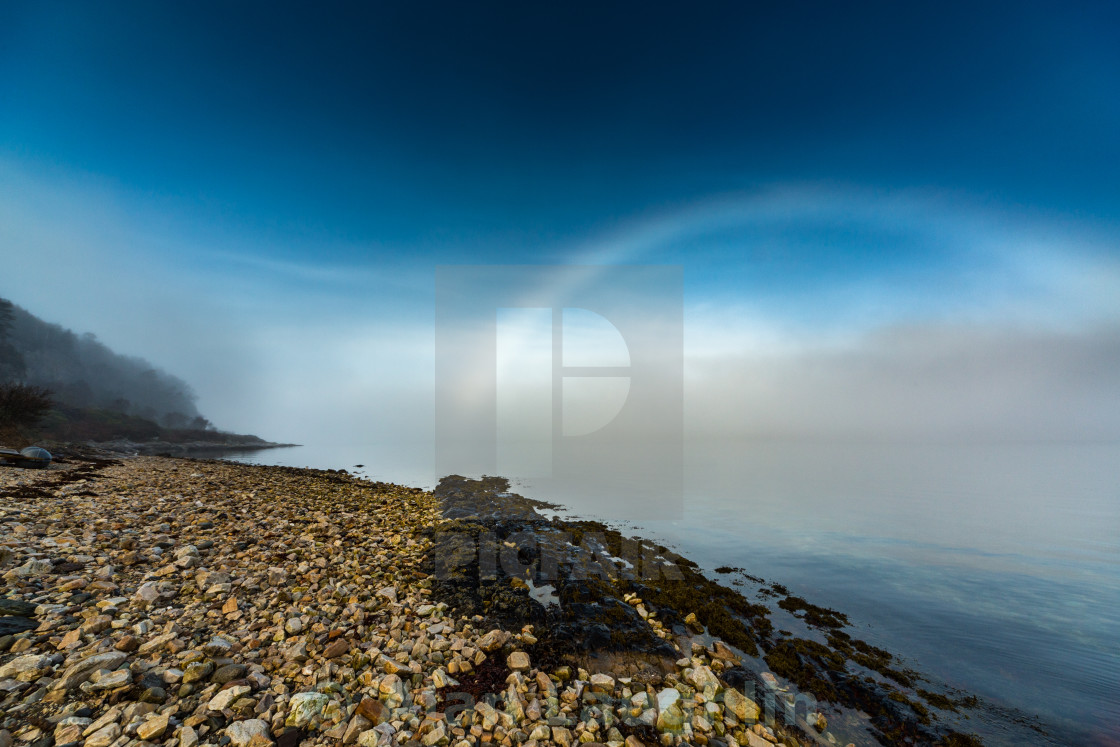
994 568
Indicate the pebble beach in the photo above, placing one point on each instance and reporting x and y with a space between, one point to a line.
158 601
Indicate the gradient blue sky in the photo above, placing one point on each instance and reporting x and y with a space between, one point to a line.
255 195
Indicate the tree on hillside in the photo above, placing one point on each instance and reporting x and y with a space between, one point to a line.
84 372
22 405
12 366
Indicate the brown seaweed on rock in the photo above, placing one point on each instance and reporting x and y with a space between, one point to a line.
581 583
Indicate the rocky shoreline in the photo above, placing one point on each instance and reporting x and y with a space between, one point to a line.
156 601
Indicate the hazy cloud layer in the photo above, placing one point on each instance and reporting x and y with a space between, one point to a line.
919 381
1023 344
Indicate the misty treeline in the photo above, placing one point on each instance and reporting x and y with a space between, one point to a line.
79 371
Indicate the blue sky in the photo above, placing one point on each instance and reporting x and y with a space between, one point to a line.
290 175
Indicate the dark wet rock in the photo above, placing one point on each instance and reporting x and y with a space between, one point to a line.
153 695
228 673
496 541
290 737
9 606
12 625
66 567
741 679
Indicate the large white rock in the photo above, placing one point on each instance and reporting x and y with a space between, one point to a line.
304 707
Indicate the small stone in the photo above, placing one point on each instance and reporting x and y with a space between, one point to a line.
146 595
518 661
434 736
70 729
156 643
671 718
225 698
153 728
441 678
492 641
128 644
392 666
18 666
217 647
392 691
374 711
294 626
561 736
109 717
34 567
104 736
743 707
230 606
241 733
721 651
135 711
602 683
197 671
704 680
337 648
110 681
71 639
153 695
756 740
228 673
9 606
357 725
667 697
188 737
